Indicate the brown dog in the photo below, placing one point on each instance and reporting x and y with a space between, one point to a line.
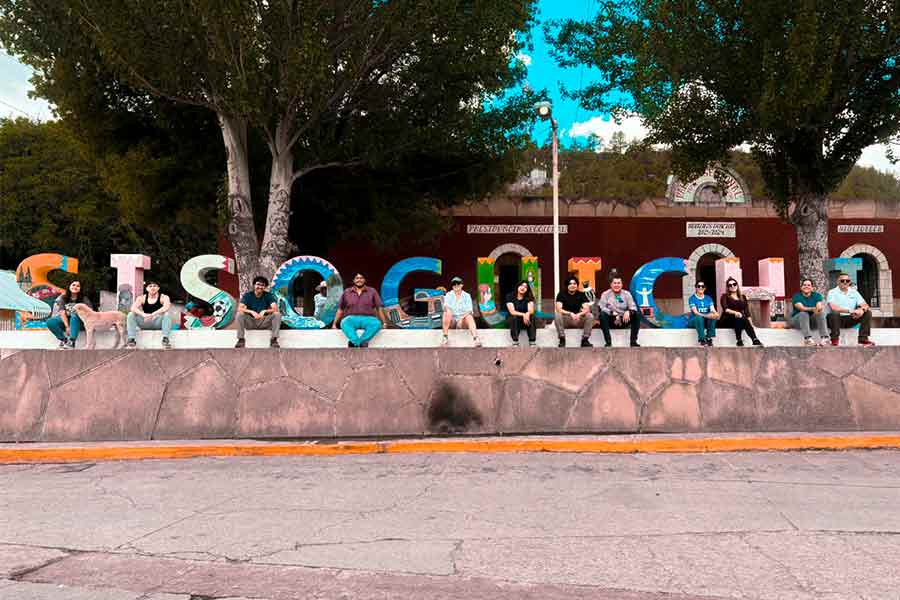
101 321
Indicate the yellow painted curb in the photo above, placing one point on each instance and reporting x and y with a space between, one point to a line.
25 454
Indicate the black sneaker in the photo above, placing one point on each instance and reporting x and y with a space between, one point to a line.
585 343
351 345
709 342
167 345
562 342
240 343
607 344
131 344
757 343
364 345
739 343
635 345
273 343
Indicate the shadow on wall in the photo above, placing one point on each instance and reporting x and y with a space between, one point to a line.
452 411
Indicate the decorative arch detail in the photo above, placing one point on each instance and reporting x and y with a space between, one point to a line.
885 277
687 282
509 249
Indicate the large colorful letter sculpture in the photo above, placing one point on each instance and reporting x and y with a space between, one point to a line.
390 290
487 303
223 304
642 289
129 277
769 293
531 272
31 275
283 282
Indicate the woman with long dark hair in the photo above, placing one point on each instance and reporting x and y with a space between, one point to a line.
520 304
66 325
736 312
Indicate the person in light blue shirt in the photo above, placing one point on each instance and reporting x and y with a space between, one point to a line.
703 314
848 309
458 311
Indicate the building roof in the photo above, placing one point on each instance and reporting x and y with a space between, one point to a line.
13 298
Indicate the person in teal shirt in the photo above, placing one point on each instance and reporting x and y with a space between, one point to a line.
848 309
809 308
703 315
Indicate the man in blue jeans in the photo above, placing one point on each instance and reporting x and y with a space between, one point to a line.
360 308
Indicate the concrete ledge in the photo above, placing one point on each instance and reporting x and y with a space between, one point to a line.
429 338
59 396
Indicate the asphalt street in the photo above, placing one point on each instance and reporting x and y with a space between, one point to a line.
791 526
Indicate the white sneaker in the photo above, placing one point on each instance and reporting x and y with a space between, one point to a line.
825 341
808 342
445 341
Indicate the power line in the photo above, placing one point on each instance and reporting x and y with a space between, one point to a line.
5 103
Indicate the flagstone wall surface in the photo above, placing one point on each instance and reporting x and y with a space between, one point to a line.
70 396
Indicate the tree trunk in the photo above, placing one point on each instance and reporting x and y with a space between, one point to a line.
810 218
240 231
276 245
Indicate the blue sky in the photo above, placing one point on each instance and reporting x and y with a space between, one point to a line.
543 72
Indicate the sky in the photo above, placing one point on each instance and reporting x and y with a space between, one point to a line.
543 73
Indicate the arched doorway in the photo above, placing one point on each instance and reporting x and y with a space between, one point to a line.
875 281
706 272
867 280
701 265
507 270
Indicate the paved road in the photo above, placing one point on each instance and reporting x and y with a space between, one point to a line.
528 526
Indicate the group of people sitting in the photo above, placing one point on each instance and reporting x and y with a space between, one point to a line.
843 307
361 316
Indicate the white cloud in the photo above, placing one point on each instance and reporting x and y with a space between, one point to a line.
605 127
14 89
524 58
876 156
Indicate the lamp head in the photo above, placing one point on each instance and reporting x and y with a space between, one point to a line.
544 110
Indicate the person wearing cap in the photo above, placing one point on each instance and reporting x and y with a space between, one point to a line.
458 311
320 299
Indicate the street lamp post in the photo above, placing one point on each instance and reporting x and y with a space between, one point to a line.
545 112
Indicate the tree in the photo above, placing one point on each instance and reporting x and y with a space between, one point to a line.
808 84
327 83
55 199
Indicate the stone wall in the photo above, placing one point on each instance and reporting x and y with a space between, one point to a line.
191 394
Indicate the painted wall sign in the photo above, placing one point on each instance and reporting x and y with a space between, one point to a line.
860 229
711 229
516 229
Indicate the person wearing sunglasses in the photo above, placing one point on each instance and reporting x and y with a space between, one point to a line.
848 309
736 312
809 309
703 314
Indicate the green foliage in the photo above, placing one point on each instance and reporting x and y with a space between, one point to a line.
640 173
58 196
808 84
397 89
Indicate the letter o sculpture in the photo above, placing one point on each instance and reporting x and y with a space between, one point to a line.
283 281
642 289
